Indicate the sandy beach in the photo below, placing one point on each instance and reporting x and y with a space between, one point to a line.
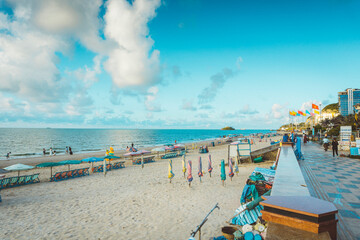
129 203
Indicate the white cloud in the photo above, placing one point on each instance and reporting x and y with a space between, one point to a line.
188 105
218 80
277 111
133 62
150 98
28 61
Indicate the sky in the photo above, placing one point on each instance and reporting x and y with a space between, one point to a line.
184 64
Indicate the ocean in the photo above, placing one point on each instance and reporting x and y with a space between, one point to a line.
30 141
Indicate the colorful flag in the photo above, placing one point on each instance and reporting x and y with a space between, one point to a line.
307 112
298 114
301 113
316 111
315 106
312 114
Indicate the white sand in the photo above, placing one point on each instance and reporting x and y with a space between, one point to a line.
129 203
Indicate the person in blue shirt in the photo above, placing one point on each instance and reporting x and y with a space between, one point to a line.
285 138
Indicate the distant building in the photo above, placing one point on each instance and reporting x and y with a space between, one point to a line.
347 100
328 112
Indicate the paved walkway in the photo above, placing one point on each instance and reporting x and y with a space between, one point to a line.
336 180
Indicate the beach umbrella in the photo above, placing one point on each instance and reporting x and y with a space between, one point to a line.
169 148
18 167
69 162
189 176
223 174
92 159
50 165
111 157
210 165
236 167
200 173
171 174
231 171
184 165
131 149
3 171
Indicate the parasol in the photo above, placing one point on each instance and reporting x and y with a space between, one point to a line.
18 167
210 165
223 174
231 171
200 173
189 176
171 174
184 165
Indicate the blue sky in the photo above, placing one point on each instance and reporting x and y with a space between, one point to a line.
173 64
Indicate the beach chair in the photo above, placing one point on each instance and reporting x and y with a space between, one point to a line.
1 180
183 152
21 180
5 183
169 155
28 179
56 177
14 181
118 165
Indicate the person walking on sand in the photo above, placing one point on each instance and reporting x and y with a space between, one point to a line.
50 151
8 155
67 150
70 151
44 151
335 145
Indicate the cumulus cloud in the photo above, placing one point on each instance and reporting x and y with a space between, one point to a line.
133 62
150 98
218 80
28 60
277 111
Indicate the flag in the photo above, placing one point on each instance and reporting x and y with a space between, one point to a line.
300 112
294 113
312 114
307 112
315 106
316 111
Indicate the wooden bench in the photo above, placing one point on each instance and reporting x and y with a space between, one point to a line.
146 160
19 180
59 176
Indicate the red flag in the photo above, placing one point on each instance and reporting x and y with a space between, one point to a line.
315 106
301 113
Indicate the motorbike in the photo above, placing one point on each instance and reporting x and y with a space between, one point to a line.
326 146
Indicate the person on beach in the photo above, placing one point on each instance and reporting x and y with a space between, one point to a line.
50 151
132 145
70 151
44 151
8 155
67 150
285 138
305 139
335 145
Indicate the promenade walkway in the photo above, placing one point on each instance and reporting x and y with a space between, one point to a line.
336 180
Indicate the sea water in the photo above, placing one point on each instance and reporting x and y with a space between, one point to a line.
30 142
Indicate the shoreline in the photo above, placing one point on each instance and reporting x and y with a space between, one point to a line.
37 159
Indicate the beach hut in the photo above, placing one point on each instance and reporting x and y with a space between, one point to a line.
18 167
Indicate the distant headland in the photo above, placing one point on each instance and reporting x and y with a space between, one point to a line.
228 128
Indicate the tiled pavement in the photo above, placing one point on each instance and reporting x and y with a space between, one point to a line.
336 180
